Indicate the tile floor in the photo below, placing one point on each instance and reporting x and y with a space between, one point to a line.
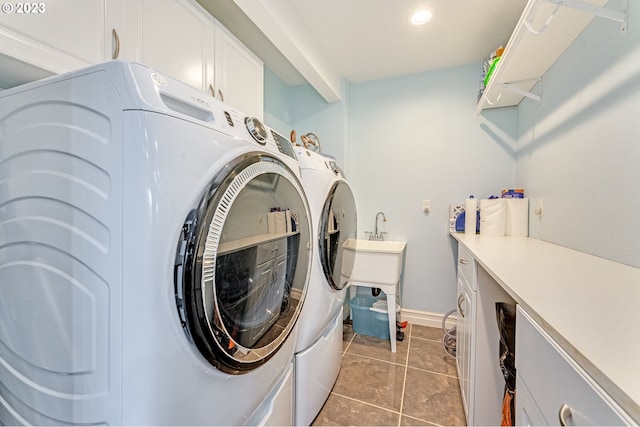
416 386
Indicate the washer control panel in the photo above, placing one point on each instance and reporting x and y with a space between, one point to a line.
283 144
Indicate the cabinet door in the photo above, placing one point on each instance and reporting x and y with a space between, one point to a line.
527 412
239 74
467 266
58 36
464 344
462 350
173 37
557 385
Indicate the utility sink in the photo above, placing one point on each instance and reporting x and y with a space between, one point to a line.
376 264
374 261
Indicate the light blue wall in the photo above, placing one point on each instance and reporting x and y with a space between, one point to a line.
579 149
401 141
328 121
303 109
412 138
277 103
415 138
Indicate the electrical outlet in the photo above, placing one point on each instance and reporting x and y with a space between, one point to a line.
539 210
426 206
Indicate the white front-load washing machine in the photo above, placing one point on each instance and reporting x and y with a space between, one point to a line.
319 346
142 279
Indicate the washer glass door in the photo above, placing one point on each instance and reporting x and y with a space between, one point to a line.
337 224
242 263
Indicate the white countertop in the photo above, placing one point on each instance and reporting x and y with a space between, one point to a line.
589 305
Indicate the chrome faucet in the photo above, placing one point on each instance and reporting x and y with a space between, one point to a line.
378 235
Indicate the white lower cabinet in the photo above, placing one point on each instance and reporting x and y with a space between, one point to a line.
527 412
478 341
465 342
466 331
551 388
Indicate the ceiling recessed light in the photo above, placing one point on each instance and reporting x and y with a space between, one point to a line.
420 16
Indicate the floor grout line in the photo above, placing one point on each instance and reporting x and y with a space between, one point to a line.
354 346
404 380
419 419
366 403
434 372
348 345
376 359
427 339
405 364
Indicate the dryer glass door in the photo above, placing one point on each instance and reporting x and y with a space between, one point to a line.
338 223
241 274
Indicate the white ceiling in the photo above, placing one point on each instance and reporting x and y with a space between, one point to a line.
322 42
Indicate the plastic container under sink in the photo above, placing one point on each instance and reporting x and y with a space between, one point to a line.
380 306
369 316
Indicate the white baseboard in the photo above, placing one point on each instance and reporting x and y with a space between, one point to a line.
424 318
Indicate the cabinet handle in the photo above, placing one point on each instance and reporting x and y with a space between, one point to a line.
212 91
461 299
220 95
564 413
464 261
116 44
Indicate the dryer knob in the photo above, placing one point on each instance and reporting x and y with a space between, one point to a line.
256 129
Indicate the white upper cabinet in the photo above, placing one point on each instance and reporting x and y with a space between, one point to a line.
57 36
181 39
239 74
173 37
177 37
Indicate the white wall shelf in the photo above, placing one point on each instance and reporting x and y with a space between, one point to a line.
545 30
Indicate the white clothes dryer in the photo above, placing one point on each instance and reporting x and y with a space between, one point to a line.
140 282
319 345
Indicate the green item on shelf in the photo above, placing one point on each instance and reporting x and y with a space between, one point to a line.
491 68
